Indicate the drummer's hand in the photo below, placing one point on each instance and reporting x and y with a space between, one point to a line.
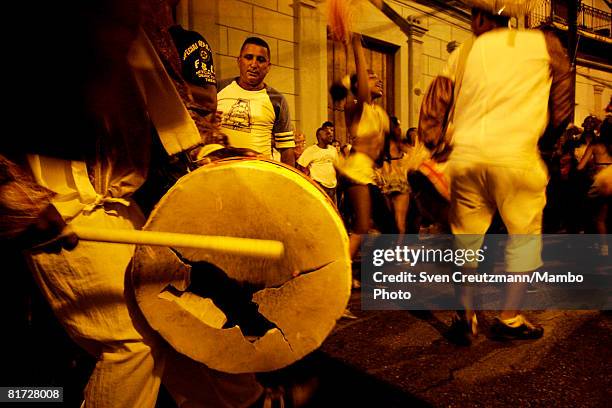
226 153
234 152
45 234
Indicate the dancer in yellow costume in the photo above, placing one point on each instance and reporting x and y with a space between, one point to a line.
367 124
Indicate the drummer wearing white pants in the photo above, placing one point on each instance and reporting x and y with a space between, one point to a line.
89 290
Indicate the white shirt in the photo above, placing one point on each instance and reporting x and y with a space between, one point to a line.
257 120
502 107
320 162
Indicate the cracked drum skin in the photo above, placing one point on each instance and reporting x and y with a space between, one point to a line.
303 294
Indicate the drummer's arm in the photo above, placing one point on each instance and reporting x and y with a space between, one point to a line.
288 156
27 217
282 130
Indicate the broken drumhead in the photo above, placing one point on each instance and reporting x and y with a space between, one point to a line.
238 313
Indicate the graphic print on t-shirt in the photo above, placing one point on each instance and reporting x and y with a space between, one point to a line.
239 116
256 120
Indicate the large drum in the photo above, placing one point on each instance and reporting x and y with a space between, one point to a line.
237 313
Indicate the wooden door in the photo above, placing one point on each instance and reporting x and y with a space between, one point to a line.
340 62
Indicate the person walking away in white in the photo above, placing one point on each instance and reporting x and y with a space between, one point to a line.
506 89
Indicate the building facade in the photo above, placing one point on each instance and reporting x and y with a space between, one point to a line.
407 45
592 56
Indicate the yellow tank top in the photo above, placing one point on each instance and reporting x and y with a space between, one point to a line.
369 137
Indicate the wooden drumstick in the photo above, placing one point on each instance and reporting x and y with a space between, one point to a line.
260 248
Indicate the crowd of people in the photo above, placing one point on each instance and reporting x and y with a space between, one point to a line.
134 131
575 204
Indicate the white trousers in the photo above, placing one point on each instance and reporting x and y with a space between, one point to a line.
90 293
519 194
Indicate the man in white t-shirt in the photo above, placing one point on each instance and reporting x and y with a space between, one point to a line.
318 162
254 115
